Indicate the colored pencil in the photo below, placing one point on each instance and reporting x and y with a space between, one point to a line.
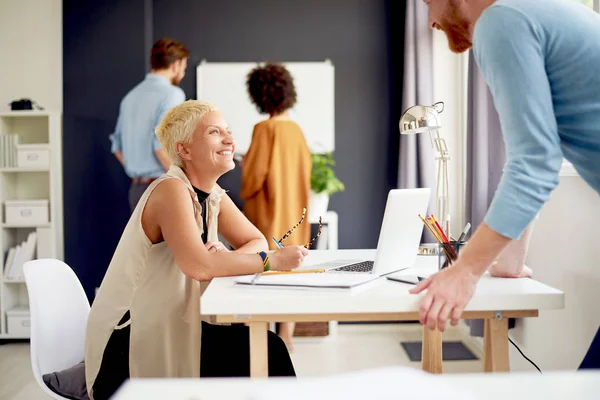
300 271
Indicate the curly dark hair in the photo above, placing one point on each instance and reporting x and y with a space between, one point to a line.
271 88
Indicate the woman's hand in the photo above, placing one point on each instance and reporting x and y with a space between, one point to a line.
214 247
290 257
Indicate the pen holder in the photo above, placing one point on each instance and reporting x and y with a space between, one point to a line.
448 252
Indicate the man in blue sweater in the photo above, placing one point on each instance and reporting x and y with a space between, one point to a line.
541 61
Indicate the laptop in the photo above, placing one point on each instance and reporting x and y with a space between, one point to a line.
397 248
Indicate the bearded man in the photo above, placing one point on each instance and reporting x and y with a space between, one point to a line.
540 60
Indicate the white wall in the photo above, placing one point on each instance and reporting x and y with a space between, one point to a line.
449 86
31 61
564 254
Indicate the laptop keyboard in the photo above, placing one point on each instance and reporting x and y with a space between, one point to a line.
364 266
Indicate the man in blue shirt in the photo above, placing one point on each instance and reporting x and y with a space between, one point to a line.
541 61
134 143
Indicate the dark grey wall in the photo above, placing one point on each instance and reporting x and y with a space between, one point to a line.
103 57
106 47
353 34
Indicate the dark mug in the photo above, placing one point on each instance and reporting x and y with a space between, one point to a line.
448 253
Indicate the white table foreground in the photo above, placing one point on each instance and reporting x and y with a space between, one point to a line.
386 383
495 300
224 297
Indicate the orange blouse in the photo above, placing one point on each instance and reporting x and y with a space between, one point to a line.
276 181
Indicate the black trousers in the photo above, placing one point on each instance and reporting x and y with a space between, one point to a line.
225 353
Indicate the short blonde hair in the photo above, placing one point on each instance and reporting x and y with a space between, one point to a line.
178 125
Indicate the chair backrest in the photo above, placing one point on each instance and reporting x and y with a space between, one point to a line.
59 311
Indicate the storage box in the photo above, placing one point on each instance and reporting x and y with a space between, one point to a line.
26 212
18 321
33 156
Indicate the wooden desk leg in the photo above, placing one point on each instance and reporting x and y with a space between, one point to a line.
431 355
495 345
259 356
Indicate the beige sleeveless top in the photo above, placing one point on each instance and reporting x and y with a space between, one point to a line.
164 304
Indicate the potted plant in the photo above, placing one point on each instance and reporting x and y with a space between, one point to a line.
323 184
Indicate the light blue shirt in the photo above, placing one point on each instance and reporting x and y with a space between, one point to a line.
140 112
541 60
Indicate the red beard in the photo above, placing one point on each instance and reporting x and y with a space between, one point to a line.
457 30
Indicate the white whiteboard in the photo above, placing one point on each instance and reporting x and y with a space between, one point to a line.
224 85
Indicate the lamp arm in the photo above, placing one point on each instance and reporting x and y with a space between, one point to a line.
439 106
441 146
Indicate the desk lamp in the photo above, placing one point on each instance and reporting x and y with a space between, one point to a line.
420 119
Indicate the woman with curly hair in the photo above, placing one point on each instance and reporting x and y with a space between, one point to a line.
276 169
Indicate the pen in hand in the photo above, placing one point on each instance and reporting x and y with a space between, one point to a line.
278 243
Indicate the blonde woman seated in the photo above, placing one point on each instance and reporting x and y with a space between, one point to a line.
145 320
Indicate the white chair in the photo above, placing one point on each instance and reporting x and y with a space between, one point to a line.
59 312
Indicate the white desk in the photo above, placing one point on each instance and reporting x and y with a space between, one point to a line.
515 386
495 300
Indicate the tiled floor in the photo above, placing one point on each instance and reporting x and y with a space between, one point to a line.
358 347
16 378
352 348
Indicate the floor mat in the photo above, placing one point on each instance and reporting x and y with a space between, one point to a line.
451 351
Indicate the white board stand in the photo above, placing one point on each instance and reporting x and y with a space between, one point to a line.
224 85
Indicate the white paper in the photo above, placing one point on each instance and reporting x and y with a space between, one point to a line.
323 279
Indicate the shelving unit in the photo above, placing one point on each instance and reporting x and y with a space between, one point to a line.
30 183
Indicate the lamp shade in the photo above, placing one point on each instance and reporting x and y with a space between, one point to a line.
419 119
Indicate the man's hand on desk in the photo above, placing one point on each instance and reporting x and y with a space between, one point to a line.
448 292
